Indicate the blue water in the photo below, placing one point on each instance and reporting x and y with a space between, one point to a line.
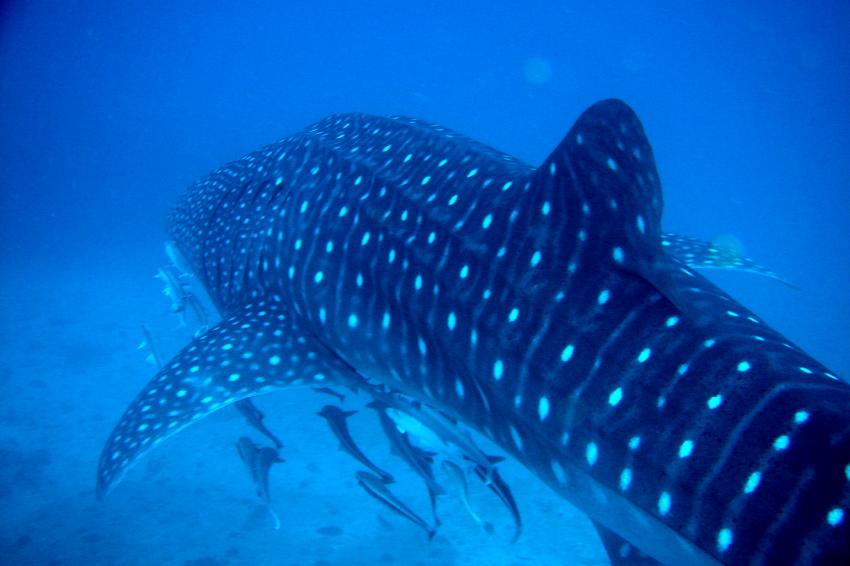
108 110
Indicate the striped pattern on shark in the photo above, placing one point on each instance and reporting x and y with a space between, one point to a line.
534 305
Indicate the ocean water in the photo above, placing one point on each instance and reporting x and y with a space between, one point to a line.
109 110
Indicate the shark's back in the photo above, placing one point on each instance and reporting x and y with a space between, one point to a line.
535 305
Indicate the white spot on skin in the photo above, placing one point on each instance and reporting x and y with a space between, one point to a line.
781 443
498 370
644 355
274 360
535 259
615 397
714 402
543 408
385 323
617 254
724 540
625 479
604 296
672 321
487 221
686 448
459 391
752 482
664 503
464 272
835 516
612 165
451 322
800 417
591 453
352 321
546 208
516 438
744 366
634 443
567 353
513 315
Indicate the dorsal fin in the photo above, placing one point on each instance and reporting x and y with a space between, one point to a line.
607 162
608 153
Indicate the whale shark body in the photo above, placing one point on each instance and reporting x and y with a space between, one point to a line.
536 306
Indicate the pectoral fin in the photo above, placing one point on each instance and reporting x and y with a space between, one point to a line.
255 350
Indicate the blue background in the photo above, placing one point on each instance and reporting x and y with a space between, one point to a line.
108 110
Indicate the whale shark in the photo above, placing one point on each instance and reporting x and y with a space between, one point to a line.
534 305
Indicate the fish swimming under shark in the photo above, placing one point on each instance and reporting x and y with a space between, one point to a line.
377 488
255 417
258 461
337 421
417 459
536 306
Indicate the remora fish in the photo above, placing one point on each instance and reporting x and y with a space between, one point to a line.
151 344
255 418
419 460
458 476
507 296
179 293
258 460
420 423
377 488
336 418
331 392
498 486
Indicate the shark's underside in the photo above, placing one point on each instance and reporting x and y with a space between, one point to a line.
534 305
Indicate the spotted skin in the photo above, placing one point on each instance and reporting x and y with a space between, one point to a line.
708 255
537 306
